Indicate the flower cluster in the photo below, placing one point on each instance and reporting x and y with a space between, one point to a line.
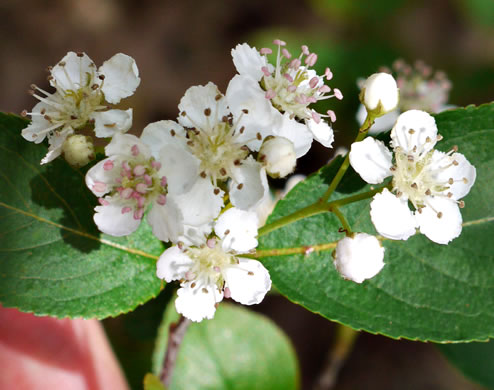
200 180
81 99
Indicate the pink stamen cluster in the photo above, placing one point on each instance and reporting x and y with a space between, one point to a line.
137 184
292 87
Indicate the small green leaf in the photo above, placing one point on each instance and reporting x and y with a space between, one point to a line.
152 382
53 260
426 291
475 360
237 350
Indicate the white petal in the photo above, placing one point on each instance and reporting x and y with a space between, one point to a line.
463 174
56 142
322 132
158 134
180 167
200 205
359 257
107 123
196 101
37 125
248 281
255 184
241 227
252 111
371 159
166 220
391 216
121 144
121 77
75 73
296 132
173 264
440 230
196 235
414 128
248 61
112 221
197 303
98 174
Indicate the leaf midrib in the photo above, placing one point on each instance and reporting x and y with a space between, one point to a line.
81 233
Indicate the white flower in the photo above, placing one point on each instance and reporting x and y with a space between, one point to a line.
432 181
214 270
420 89
278 156
380 93
132 178
359 257
275 99
81 99
214 144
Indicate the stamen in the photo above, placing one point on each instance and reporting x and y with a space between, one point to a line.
161 199
108 165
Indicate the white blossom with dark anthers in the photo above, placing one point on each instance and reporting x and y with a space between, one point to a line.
358 257
132 178
213 270
208 136
81 99
420 88
277 98
432 181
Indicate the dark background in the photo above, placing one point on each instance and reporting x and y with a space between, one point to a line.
177 44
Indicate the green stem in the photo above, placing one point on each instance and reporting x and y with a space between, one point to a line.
313 209
322 204
369 120
340 351
336 211
317 208
355 198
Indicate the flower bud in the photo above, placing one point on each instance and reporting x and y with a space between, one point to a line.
277 154
379 94
359 257
78 150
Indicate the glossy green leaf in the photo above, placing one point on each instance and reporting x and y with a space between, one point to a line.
475 360
426 291
237 350
53 260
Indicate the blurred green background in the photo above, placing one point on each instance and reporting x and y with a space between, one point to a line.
177 44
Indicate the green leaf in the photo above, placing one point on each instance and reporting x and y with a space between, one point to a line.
152 382
475 360
53 260
237 350
426 291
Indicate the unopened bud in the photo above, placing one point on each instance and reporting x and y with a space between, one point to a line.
359 257
78 150
379 94
277 154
